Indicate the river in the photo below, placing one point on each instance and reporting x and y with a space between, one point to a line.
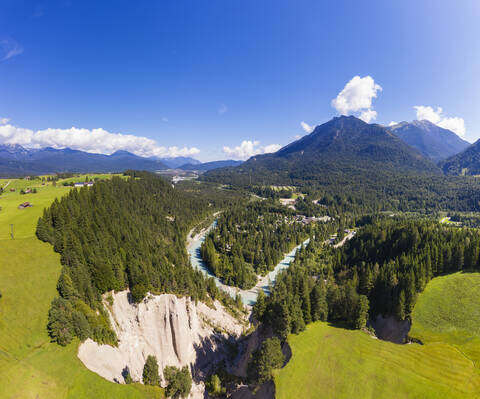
249 297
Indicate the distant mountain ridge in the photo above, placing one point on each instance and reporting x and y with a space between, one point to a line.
206 166
176 162
17 160
431 140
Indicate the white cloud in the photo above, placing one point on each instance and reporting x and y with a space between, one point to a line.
368 115
222 109
9 48
392 123
271 148
249 148
307 127
94 140
455 124
4 121
356 98
297 137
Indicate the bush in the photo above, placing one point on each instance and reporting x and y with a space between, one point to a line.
150 371
179 382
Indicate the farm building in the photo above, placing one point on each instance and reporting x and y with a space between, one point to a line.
24 205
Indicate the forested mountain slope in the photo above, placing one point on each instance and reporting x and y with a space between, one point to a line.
343 144
358 166
465 163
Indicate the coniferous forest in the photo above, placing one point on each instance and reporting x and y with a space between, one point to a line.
121 233
250 239
380 271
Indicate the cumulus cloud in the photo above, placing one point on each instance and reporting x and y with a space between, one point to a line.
94 140
307 127
4 121
455 124
356 98
249 148
9 48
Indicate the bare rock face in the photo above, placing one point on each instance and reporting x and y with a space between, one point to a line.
175 330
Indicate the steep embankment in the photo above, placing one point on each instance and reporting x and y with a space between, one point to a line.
176 330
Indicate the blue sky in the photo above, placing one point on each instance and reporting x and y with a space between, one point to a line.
193 77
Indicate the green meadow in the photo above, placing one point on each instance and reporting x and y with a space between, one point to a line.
30 365
330 362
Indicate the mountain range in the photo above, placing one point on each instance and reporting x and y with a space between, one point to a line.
343 146
16 160
431 140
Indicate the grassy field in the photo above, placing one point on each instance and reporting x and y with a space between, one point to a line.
449 311
330 362
31 366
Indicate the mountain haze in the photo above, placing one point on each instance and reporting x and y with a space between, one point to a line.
431 140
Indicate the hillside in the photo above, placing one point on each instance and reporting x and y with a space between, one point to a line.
431 140
465 163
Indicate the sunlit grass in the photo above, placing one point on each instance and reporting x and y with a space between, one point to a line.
330 362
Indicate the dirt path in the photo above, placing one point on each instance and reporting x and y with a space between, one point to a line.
6 185
348 237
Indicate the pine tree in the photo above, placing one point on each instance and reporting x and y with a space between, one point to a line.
150 371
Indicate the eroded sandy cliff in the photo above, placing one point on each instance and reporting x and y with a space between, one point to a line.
176 330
